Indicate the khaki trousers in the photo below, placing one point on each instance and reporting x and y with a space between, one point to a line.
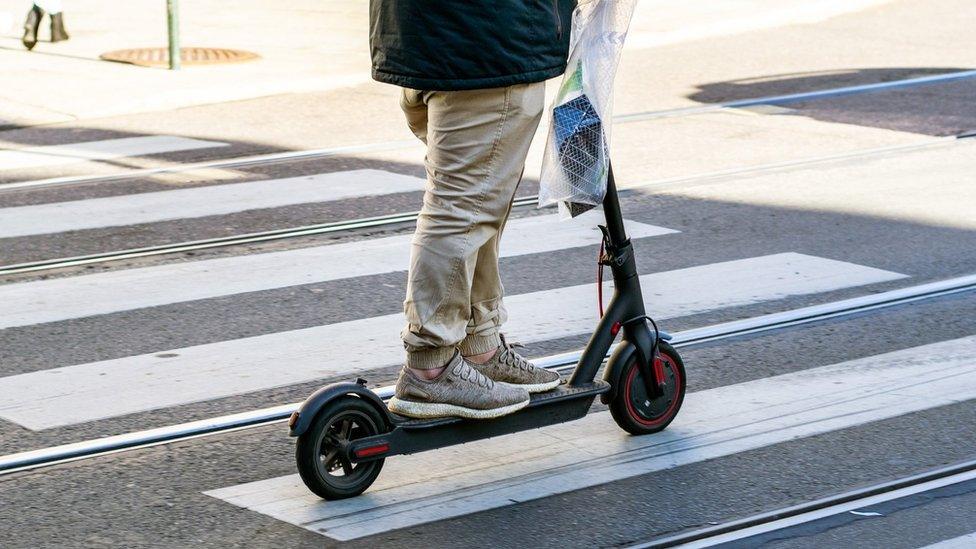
477 141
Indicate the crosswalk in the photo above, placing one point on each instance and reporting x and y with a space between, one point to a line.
117 211
476 477
36 400
175 376
107 149
461 480
103 293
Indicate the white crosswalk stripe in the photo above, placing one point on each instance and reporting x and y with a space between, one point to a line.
107 149
37 400
61 299
447 483
132 209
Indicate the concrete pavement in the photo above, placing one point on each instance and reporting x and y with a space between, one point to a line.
304 46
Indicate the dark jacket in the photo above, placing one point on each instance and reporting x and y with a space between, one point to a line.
468 44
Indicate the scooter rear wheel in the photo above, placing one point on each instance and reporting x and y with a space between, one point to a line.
631 408
321 462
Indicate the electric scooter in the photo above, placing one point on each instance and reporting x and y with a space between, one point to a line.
345 431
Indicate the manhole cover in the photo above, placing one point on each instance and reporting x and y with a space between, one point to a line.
159 57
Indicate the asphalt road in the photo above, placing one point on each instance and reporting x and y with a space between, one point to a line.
844 196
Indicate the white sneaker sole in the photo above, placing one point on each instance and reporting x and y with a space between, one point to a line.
427 410
539 387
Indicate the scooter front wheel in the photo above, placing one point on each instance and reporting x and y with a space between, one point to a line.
320 452
639 414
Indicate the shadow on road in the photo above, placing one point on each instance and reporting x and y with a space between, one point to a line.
936 109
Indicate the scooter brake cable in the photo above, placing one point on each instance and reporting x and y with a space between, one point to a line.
599 278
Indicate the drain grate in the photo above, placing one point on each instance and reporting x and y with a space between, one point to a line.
159 57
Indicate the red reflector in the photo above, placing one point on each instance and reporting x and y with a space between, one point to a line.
372 450
615 328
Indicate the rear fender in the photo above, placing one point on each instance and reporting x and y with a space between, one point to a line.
302 418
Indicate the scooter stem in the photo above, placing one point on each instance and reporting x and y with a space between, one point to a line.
627 302
611 209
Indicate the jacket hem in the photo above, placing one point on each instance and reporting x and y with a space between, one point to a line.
460 84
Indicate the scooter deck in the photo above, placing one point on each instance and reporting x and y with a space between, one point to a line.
564 403
560 393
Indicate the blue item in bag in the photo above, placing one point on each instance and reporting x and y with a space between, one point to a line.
581 145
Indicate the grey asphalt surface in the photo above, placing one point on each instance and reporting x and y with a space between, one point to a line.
153 497
924 518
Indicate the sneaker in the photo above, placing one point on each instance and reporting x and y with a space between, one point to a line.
507 366
459 391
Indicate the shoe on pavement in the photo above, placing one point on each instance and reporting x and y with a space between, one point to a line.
459 391
507 366
58 34
31 26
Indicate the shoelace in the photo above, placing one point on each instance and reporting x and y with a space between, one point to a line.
510 357
469 374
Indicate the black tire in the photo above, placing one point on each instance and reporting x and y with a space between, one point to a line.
631 408
344 419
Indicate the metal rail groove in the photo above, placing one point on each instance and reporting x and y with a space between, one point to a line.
400 144
802 513
55 455
219 242
410 217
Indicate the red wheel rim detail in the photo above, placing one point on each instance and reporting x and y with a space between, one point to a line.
674 401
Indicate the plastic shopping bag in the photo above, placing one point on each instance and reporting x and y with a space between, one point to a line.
577 154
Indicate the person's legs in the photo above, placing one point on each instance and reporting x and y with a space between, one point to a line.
488 311
484 347
33 22
477 143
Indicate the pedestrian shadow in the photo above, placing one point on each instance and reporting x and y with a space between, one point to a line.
50 53
944 108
